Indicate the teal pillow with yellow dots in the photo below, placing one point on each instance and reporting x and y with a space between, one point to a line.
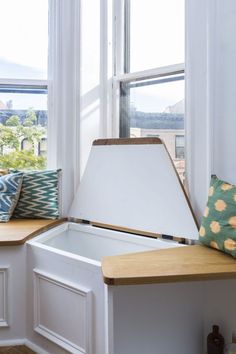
218 228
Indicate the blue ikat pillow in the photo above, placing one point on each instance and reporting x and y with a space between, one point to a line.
10 187
39 195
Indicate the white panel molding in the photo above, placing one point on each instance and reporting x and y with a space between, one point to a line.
4 297
109 320
52 335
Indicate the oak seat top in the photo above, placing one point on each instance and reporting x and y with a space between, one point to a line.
18 231
177 264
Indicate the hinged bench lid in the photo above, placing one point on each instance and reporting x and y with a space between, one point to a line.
132 184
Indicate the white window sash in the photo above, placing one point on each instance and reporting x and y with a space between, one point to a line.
140 75
24 82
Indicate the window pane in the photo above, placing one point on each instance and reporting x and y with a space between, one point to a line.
23 125
156 35
179 147
43 147
156 108
24 39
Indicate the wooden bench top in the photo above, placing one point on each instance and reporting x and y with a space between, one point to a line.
188 263
17 232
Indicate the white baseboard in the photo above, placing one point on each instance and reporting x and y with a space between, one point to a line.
30 345
11 342
35 347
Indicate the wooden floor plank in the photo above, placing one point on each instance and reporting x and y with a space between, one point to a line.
19 349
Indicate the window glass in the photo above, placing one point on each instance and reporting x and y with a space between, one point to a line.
26 144
24 39
155 107
23 124
23 107
179 146
43 147
155 33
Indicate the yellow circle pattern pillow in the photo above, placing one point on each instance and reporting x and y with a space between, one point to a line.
218 228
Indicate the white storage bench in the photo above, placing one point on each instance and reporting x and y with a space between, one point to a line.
103 282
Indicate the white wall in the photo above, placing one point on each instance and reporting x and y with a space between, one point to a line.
224 142
211 93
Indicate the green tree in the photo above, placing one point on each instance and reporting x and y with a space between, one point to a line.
13 121
8 138
11 136
30 118
33 134
25 160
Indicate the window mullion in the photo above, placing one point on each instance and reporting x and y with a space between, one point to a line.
152 73
24 82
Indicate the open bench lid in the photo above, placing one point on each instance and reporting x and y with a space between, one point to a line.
131 184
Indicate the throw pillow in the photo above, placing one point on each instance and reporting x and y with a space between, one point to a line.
218 229
39 196
10 187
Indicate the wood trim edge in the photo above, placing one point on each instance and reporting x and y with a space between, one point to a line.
166 279
183 189
35 233
44 229
127 141
125 229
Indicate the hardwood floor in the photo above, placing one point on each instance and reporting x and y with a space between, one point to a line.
19 349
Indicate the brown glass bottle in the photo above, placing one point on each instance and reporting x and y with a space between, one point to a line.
215 342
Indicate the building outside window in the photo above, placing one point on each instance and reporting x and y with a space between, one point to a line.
26 144
179 147
150 73
23 83
42 147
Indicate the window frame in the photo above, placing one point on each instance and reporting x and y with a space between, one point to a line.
169 70
121 48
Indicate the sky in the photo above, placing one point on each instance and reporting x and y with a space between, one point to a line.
156 98
24 47
156 33
157 39
24 35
